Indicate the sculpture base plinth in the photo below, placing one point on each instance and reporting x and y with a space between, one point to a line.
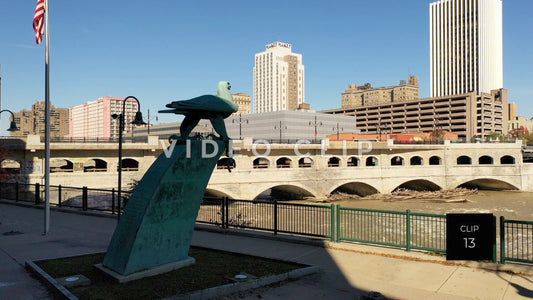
148 272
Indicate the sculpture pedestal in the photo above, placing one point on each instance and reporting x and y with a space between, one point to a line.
158 222
148 272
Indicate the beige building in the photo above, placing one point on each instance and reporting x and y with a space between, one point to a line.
245 103
467 115
32 121
279 79
515 121
364 95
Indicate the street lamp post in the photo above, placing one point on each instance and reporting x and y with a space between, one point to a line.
12 124
137 121
149 119
241 121
280 127
338 130
316 124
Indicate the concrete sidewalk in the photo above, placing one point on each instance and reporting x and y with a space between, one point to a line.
348 273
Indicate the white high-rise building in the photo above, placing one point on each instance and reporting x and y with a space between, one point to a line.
466 46
279 79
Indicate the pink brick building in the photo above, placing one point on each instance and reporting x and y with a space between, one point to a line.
93 119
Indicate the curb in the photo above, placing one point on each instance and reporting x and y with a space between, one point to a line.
212 292
265 235
70 210
59 289
232 288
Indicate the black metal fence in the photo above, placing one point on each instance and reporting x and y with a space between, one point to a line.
64 196
404 229
271 216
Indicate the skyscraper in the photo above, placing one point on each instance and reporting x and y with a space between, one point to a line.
279 79
466 46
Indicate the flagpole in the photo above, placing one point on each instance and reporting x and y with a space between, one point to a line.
47 123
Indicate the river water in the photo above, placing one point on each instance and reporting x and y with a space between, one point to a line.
514 205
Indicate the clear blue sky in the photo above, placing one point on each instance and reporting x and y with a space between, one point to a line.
166 50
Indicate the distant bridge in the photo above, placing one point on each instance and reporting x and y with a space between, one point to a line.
354 167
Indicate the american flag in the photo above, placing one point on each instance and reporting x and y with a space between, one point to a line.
38 21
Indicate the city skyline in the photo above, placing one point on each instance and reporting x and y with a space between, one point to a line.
169 52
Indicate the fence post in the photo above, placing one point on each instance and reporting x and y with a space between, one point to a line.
502 239
408 230
113 201
84 198
59 195
494 254
275 216
226 207
16 191
332 221
37 193
338 213
222 212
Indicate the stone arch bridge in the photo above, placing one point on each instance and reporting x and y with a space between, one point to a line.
299 169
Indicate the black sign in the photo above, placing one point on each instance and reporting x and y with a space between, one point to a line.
470 236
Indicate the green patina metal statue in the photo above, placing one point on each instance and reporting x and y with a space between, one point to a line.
154 233
215 108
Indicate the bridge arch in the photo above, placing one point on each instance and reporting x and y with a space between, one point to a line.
261 163
130 164
292 191
226 163
507 160
95 165
485 160
397 160
435 160
488 184
464 160
416 160
371 161
419 185
334 161
352 161
355 187
61 165
10 166
218 192
305 162
283 162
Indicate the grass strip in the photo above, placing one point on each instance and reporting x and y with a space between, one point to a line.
212 268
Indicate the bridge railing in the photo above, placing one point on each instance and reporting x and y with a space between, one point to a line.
135 139
288 141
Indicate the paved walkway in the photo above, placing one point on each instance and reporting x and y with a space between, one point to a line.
347 273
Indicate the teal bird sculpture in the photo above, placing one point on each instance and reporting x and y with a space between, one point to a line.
215 108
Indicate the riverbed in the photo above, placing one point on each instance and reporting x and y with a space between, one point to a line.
514 205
